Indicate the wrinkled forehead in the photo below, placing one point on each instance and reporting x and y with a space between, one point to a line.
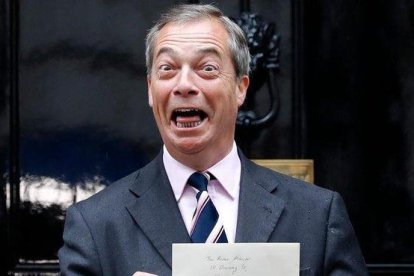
205 28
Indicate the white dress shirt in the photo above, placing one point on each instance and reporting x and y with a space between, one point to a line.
224 192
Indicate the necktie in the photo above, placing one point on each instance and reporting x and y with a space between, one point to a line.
206 225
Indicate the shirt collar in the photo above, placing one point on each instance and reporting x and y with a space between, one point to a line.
227 171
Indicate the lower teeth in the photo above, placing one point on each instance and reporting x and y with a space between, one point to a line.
189 124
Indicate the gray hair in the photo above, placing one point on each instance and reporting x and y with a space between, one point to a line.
238 47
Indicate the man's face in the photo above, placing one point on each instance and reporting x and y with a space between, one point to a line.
193 90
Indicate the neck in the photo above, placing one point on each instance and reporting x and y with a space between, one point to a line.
200 161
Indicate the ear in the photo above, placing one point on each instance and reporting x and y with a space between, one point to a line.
150 101
242 89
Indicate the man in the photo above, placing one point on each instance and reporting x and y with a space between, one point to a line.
197 61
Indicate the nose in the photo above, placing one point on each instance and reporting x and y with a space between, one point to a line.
185 83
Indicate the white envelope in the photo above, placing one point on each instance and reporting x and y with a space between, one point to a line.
236 259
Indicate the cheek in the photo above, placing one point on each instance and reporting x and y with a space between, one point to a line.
227 106
160 95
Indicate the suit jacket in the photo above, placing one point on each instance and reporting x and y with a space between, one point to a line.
130 226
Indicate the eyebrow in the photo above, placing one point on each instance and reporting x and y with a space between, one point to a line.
201 51
167 50
209 50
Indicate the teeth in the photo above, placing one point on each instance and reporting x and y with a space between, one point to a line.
189 124
186 109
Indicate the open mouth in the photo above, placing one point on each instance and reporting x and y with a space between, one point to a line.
188 117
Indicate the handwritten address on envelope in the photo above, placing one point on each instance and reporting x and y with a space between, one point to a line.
238 259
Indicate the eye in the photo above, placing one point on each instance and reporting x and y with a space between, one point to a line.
165 67
166 71
209 71
209 68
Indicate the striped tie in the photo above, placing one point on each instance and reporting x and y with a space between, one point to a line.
206 225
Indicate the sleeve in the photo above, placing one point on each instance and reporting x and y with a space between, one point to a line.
78 255
342 255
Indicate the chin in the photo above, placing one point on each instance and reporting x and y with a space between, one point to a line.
189 146
189 149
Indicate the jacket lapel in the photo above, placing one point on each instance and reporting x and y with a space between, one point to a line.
155 209
259 207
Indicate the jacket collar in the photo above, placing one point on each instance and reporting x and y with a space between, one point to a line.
155 209
259 206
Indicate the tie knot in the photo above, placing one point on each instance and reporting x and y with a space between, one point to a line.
199 181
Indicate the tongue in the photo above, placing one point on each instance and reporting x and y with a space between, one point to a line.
188 119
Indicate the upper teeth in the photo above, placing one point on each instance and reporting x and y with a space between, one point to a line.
186 109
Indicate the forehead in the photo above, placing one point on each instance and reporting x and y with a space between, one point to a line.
207 32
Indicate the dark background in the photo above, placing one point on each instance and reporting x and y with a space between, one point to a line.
74 115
